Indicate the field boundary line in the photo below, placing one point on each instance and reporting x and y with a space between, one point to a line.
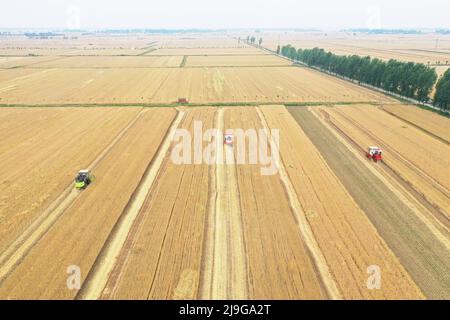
413 206
198 104
305 230
98 276
20 247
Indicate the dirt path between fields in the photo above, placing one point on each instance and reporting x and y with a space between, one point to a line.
421 252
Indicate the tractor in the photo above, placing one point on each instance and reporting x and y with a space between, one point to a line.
83 179
375 154
183 101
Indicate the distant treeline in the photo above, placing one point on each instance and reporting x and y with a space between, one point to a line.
43 34
386 31
409 79
158 31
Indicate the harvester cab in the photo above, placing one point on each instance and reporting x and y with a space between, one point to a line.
375 154
83 179
228 139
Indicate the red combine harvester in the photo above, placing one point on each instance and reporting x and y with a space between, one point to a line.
183 101
375 154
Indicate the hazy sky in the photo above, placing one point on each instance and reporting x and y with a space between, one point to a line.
327 14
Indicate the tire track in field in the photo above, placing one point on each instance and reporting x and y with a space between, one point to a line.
225 259
105 263
17 250
306 233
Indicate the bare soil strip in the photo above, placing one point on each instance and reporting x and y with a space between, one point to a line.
98 276
22 245
426 259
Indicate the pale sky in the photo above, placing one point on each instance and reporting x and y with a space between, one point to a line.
227 14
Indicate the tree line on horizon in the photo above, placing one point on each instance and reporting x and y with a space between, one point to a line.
409 79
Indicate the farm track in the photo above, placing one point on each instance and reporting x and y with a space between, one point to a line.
77 237
422 250
346 237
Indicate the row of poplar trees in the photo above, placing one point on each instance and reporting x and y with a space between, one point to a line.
409 79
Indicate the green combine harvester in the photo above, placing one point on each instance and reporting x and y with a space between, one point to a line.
83 179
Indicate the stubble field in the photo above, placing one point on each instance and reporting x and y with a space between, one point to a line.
151 228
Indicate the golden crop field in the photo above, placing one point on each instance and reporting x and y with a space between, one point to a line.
109 62
152 226
166 85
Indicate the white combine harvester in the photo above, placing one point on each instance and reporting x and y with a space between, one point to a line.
228 139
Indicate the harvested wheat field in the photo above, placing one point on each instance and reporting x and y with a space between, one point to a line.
217 170
109 62
198 85
225 231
